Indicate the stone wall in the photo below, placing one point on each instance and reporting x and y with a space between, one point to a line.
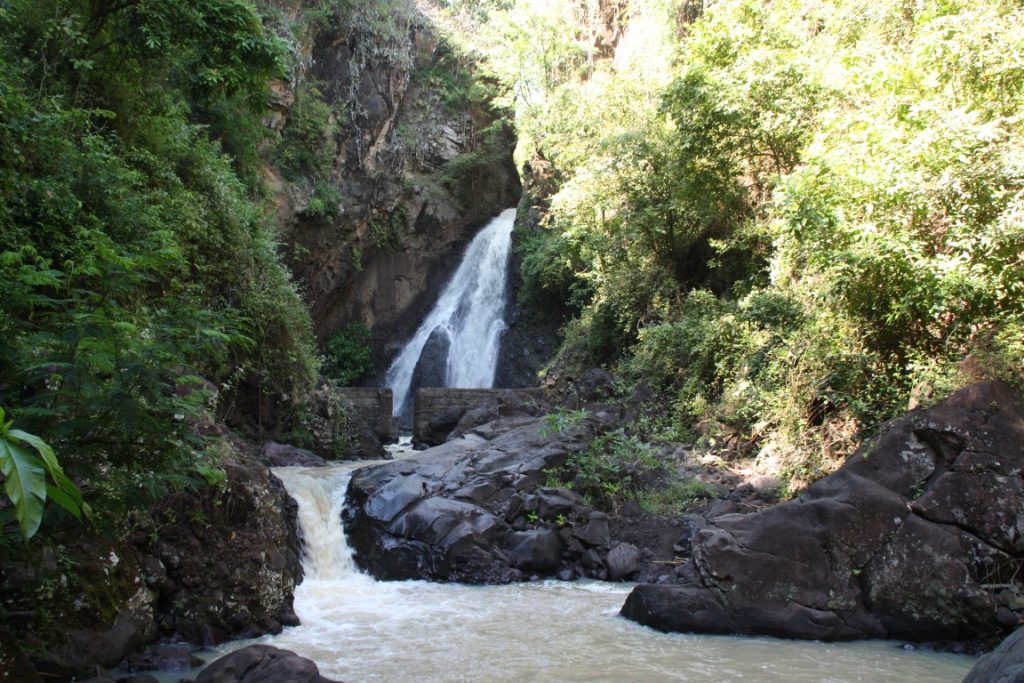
372 405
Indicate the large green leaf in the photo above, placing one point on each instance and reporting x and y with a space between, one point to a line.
69 497
25 484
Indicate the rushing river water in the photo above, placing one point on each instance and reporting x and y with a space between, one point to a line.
357 629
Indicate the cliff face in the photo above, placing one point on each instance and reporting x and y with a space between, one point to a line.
412 160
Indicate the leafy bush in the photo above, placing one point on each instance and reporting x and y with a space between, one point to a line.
347 354
814 218
612 467
140 279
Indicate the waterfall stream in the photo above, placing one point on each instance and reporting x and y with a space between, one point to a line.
468 317
357 629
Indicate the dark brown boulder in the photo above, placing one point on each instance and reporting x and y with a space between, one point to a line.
1005 664
262 664
917 537
276 454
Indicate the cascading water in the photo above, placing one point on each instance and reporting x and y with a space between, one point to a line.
357 629
469 316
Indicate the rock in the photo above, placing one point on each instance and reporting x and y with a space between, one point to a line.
16 667
622 561
552 503
595 532
231 564
537 550
916 537
594 385
432 366
214 563
440 427
276 454
445 413
262 664
163 657
456 512
1005 664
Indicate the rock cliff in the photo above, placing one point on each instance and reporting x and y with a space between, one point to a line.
392 156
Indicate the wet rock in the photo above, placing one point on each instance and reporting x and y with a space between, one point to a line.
432 365
262 664
163 657
276 454
1005 664
623 560
463 511
907 540
536 550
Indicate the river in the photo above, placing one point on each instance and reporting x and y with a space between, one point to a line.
358 629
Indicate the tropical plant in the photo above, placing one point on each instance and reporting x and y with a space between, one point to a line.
25 461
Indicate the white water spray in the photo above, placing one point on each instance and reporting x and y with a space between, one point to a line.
470 312
320 494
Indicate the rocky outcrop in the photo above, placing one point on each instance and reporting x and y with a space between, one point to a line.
1005 664
262 664
476 510
226 566
441 412
203 566
918 537
275 454
531 338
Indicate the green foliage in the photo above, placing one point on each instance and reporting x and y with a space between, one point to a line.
347 356
612 467
675 497
452 76
135 257
307 148
807 215
386 233
25 478
562 420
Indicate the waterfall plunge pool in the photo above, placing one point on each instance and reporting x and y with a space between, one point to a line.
358 629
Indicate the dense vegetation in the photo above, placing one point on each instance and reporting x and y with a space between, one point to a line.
140 286
789 219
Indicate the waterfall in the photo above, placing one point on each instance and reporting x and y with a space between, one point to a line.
320 494
468 318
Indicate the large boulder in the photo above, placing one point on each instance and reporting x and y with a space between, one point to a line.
203 566
1005 664
476 510
275 454
262 664
225 566
917 537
